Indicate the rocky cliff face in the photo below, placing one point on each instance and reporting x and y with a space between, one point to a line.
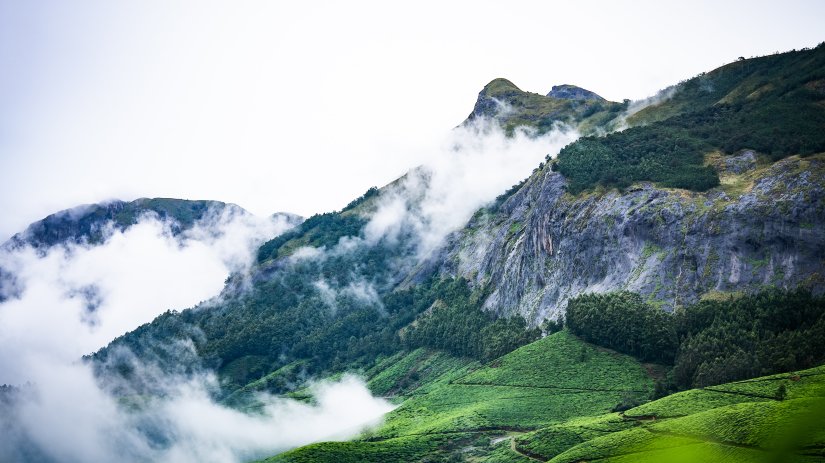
764 226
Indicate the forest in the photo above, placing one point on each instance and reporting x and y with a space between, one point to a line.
713 341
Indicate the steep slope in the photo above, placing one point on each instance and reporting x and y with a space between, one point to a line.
617 212
763 226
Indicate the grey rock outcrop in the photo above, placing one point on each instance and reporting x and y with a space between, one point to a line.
544 246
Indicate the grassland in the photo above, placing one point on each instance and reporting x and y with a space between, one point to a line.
552 400
470 412
775 418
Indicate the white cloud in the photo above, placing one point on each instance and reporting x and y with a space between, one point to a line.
69 418
77 298
467 170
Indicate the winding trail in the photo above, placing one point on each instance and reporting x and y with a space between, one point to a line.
526 455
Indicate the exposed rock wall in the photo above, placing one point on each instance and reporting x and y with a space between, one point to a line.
764 226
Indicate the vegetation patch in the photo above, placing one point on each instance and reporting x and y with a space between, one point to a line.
706 114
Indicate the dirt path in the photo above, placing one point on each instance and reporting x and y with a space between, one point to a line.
525 455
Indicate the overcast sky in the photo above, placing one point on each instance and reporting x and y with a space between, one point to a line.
301 106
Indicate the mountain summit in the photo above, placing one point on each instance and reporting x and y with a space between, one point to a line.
571 92
569 105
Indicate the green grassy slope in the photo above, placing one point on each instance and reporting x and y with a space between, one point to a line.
473 411
776 418
536 404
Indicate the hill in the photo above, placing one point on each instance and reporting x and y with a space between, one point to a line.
455 334
470 407
566 104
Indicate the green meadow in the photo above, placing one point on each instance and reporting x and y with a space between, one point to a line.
560 399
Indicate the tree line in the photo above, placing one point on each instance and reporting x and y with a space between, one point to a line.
713 341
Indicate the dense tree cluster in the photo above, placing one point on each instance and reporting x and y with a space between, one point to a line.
317 231
624 322
711 342
636 154
455 322
773 331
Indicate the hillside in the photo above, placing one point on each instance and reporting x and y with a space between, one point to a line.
556 400
467 409
772 105
454 334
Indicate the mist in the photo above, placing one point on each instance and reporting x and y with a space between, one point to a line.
464 171
75 298
66 416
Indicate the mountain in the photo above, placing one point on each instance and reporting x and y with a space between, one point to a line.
684 251
565 104
697 212
88 224
92 224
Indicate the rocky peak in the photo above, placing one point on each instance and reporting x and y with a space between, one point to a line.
571 92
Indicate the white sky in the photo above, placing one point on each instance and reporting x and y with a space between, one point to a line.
301 106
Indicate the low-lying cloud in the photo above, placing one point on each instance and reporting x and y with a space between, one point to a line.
77 298
467 170
67 417
74 299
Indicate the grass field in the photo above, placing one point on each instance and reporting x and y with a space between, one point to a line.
744 421
461 409
553 400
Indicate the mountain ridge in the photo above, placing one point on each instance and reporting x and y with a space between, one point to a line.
472 338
